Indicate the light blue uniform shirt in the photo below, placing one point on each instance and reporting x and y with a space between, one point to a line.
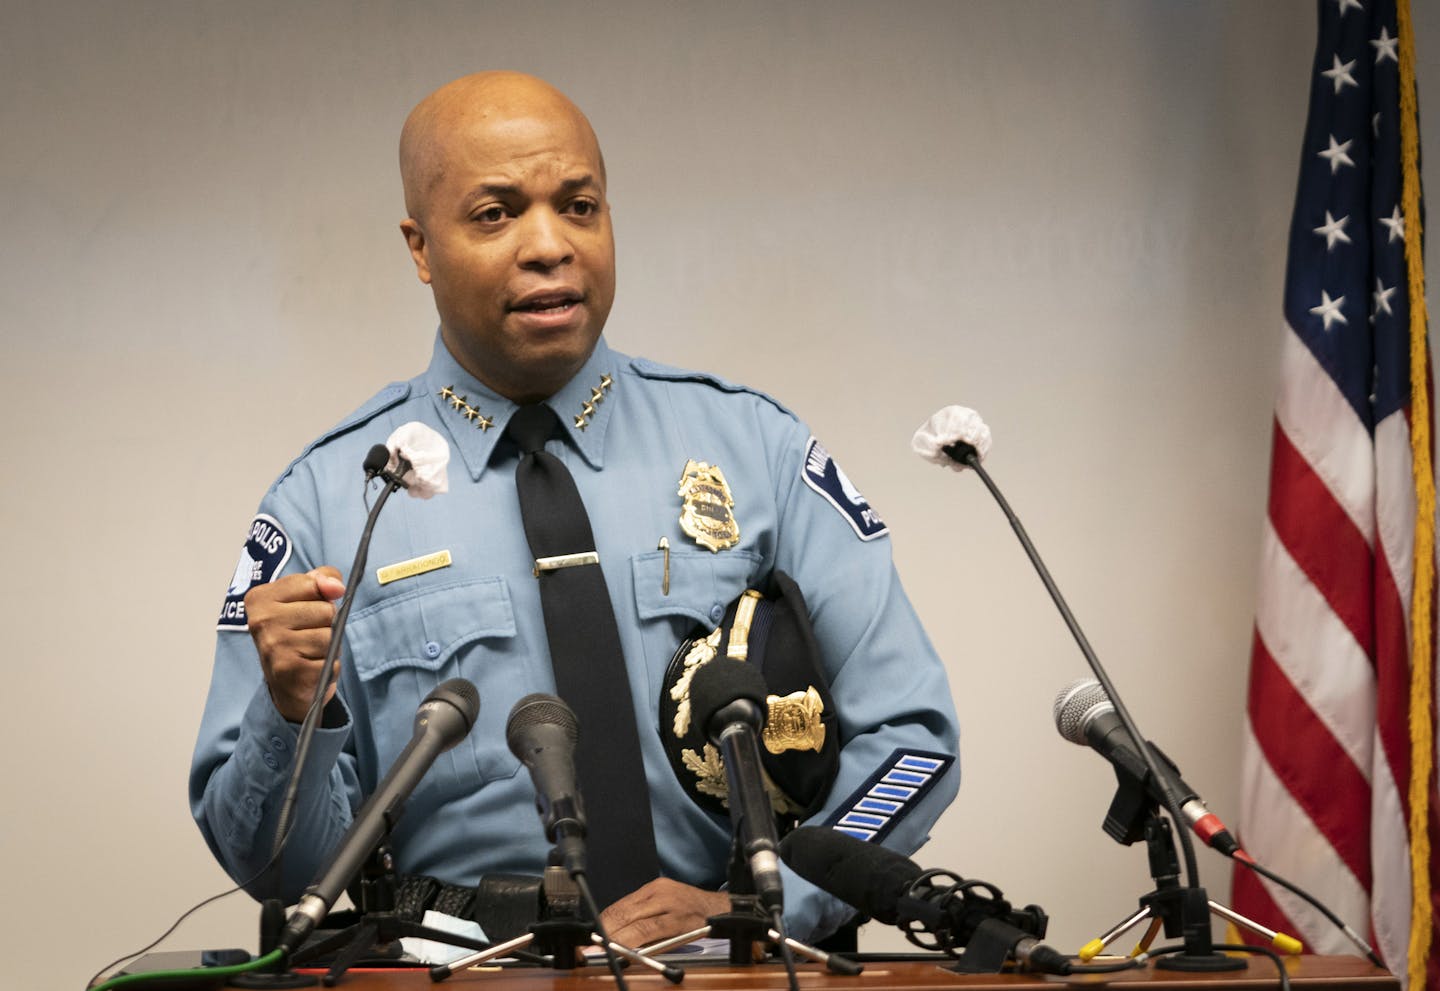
480 618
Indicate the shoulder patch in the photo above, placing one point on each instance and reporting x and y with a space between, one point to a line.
646 368
874 808
391 395
267 548
823 475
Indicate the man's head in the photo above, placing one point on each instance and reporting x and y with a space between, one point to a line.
510 227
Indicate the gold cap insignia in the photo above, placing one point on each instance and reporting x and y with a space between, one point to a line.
794 722
706 515
709 770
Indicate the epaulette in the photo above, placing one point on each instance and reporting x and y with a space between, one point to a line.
646 368
392 395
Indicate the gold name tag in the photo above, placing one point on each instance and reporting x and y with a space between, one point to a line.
414 566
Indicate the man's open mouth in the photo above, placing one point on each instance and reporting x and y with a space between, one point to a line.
548 302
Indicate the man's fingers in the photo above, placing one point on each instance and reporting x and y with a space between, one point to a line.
290 621
659 909
321 584
328 582
290 588
642 931
285 634
309 645
294 615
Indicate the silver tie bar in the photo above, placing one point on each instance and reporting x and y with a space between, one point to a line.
564 561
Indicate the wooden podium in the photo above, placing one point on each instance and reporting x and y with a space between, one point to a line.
1315 973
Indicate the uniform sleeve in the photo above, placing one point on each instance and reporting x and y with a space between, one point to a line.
899 734
246 750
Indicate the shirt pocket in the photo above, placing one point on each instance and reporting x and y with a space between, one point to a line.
405 645
701 586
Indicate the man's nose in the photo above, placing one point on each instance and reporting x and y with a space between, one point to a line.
544 241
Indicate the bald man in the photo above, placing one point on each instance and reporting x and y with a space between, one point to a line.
509 225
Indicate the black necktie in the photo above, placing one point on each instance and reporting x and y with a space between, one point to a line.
589 666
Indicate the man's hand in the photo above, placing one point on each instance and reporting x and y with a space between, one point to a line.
290 623
660 909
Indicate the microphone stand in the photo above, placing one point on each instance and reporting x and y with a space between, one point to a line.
745 925
1171 904
394 481
561 934
378 924
280 975
1199 953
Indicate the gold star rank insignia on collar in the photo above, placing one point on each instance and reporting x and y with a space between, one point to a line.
597 396
462 406
705 515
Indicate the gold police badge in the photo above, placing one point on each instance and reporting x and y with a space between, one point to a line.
706 515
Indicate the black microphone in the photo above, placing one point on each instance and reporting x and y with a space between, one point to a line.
894 890
958 437
863 875
542 732
1084 715
375 460
442 721
438 453
728 700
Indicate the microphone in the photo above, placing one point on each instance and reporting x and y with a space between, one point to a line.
951 437
414 457
956 436
542 732
1085 716
728 699
442 721
413 450
375 460
893 889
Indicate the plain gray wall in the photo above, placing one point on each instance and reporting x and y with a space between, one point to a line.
1069 216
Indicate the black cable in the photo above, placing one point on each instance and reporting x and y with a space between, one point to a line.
307 728
158 939
161 977
1315 903
327 675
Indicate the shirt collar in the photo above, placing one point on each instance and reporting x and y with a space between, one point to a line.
475 416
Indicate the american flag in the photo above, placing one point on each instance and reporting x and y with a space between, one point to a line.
1327 798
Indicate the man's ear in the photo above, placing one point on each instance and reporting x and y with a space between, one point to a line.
415 240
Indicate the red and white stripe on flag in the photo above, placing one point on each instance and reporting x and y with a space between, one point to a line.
1326 776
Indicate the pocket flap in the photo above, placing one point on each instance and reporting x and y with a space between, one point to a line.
701 584
423 627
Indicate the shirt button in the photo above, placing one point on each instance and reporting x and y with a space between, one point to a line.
270 761
277 744
717 612
249 803
432 649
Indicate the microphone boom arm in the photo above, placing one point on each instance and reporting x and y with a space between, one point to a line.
967 455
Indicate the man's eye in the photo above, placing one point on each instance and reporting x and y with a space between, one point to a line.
584 208
491 215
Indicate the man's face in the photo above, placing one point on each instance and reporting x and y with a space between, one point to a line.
514 238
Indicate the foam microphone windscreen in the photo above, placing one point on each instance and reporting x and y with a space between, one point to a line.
865 875
722 681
